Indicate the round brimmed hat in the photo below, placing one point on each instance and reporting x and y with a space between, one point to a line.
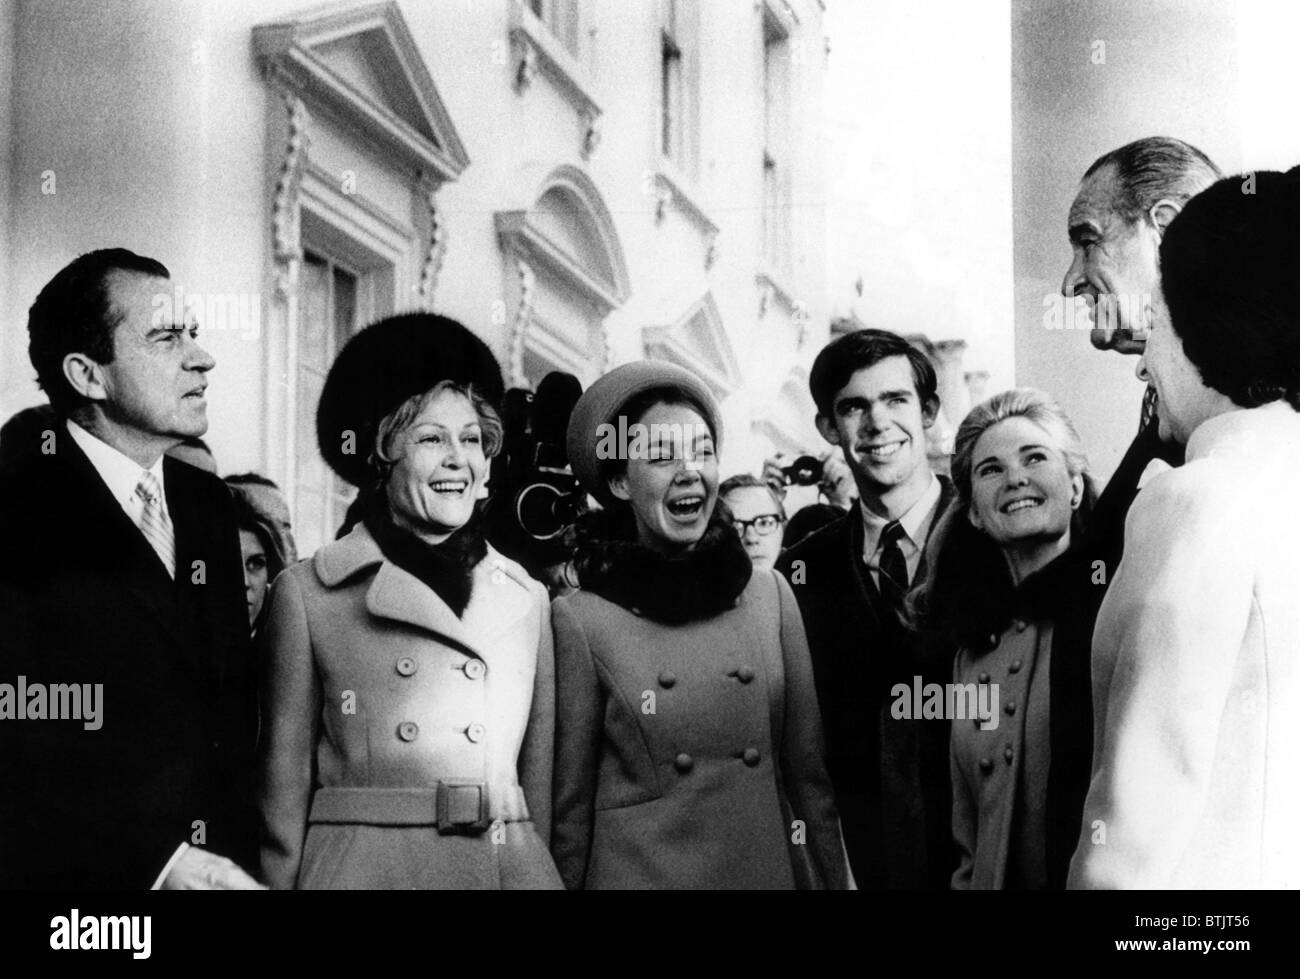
383 365
601 404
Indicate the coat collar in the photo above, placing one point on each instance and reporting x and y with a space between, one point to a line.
501 596
1247 432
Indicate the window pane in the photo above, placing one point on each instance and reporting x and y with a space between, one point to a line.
345 306
314 299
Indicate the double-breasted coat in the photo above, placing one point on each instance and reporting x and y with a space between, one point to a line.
405 747
691 755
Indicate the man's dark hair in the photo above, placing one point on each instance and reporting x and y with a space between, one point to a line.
844 357
73 314
1230 273
1155 168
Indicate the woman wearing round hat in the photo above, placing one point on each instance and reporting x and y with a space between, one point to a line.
408 707
688 740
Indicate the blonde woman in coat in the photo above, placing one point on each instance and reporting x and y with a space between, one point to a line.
408 708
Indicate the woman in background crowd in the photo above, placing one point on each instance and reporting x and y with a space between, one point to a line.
265 550
757 515
408 711
688 739
1011 590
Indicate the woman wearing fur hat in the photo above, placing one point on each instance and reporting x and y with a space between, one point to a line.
408 705
688 740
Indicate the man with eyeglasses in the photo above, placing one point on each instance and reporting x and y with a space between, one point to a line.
758 516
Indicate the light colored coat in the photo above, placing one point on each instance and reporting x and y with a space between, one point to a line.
690 756
373 682
1196 672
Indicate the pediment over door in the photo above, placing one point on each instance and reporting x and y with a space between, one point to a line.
362 65
698 341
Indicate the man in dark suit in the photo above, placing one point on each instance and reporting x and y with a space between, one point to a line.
122 574
876 396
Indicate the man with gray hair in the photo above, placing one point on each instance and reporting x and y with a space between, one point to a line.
1126 200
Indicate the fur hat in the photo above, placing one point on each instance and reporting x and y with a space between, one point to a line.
383 365
601 404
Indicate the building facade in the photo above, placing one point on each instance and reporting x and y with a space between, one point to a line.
582 183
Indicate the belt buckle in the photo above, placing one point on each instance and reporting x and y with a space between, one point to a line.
463 808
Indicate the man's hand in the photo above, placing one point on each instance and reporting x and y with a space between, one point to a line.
772 474
200 870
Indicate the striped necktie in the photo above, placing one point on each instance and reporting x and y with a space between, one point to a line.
155 525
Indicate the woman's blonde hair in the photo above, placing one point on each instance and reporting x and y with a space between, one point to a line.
400 419
1029 403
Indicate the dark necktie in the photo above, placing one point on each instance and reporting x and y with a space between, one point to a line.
893 565
1149 402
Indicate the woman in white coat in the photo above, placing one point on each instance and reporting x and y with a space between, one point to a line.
1196 654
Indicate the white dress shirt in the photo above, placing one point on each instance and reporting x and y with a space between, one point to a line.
916 528
120 473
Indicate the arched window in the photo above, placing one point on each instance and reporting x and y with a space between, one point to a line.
564 274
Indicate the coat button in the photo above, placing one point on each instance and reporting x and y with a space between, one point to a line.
1021 625
1015 666
744 674
474 669
1008 754
994 639
986 765
751 757
476 732
984 678
408 730
667 679
684 763
406 666
1010 708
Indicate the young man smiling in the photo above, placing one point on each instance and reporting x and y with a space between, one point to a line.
876 396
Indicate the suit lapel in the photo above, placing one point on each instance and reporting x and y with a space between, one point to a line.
947 496
99 529
196 543
854 569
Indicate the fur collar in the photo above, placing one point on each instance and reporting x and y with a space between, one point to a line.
696 584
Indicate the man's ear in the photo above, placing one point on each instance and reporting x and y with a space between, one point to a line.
86 376
618 486
827 429
929 412
1162 212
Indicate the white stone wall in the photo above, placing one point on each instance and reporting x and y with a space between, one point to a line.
153 117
